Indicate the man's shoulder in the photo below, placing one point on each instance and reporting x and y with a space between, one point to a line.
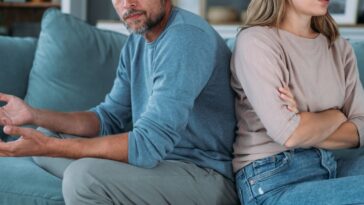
184 19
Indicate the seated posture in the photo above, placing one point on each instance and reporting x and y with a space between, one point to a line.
173 84
292 48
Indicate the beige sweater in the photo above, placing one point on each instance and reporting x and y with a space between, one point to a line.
320 77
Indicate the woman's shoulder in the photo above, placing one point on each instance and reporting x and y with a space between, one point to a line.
342 47
258 32
259 35
342 43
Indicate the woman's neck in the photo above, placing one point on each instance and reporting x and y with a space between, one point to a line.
298 24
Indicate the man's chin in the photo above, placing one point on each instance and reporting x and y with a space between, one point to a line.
137 30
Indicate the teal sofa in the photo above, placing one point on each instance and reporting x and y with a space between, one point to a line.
70 67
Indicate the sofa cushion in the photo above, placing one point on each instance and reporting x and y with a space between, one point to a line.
75 64
74 67
358 47
23 182
16 59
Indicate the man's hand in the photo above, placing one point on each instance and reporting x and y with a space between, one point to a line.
30 143
15 112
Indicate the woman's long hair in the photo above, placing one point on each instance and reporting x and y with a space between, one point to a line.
272 12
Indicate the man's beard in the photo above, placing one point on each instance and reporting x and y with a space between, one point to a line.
148 25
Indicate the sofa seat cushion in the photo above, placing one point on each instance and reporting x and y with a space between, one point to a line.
23 182
75 64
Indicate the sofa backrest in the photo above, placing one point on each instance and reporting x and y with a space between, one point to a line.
70 67
16 59
358 47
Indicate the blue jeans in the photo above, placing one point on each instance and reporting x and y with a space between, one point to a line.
302 176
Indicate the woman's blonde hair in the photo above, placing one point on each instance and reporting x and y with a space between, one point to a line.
271 13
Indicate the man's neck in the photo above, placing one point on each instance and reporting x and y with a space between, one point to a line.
154 33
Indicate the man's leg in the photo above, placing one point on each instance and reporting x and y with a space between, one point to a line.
55 166
97 181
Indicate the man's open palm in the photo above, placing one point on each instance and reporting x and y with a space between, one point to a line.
15 112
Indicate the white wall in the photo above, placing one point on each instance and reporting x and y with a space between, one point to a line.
76 8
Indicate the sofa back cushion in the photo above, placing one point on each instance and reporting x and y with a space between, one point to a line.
358 47
16 59
75 64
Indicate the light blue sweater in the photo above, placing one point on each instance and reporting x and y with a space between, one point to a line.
176 90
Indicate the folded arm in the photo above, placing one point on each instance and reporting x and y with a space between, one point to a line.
346 136
328 129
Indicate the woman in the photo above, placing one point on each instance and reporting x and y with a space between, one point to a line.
292 48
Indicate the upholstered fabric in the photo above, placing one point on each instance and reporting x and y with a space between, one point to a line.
75 64
23 182
16 59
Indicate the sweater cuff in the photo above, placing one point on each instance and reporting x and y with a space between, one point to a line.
358 122
288 130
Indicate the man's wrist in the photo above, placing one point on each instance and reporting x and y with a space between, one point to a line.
52 147
35 116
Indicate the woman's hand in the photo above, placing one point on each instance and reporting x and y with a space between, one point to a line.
286 95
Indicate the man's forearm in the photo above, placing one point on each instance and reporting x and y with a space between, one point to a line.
346 136
315 128
113 147
84 124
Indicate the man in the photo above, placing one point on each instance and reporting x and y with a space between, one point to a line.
173 83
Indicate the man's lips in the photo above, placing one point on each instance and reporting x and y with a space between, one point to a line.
133 15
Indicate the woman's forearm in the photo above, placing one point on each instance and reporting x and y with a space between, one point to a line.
315 128
346 136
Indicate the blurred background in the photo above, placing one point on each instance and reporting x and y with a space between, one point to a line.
23 17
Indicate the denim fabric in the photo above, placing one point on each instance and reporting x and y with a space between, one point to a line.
301 176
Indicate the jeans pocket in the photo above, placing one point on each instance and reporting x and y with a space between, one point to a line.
269 174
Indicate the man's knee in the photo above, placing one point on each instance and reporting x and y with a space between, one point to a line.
80 184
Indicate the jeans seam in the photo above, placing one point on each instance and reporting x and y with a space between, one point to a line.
323 157
250 191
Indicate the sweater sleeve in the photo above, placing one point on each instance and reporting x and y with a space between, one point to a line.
258 64
183 64
354 95
115 112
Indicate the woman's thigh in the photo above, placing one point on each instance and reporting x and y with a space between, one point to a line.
339 191
350 167
263 180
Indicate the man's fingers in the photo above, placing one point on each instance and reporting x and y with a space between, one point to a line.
4 149
4 97
17 131
5 121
